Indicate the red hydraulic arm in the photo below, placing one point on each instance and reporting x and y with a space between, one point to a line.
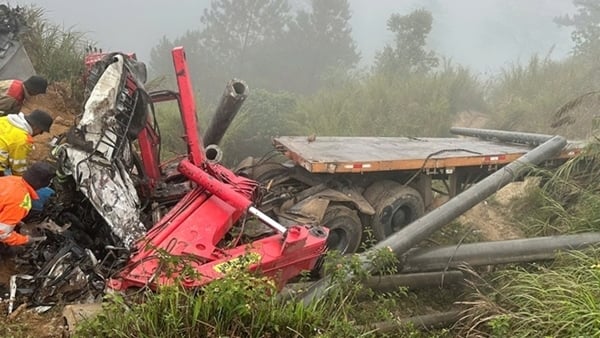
188 107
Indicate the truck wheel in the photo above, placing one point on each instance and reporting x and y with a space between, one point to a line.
267 171
395 207
345 229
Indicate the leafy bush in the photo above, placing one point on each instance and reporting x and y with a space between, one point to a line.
240 305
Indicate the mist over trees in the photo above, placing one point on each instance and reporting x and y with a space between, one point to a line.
301 65
409 52
266 43
586 24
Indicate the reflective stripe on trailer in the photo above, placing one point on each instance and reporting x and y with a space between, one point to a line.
357 166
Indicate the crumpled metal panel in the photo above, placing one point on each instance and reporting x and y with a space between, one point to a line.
112 192
99 173
99 110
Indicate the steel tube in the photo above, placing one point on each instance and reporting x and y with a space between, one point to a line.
502 135
415 232
267 220
234 95
427 322
418 280
412 234
388 283
496 252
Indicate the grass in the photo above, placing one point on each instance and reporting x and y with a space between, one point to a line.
567 199
243 304
562 300
56 52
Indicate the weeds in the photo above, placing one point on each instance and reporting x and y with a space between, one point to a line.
55 52
560 301
244 304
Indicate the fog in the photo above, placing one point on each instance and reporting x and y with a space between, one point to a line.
483 34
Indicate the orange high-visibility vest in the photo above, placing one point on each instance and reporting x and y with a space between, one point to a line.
15 202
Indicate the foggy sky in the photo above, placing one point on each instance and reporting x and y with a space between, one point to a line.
483 34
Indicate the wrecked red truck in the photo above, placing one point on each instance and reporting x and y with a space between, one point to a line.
118 211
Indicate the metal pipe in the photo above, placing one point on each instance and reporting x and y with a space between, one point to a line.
502 135
497 252
388 283
267 220
412 234
418 280
415 232
234 95
426 322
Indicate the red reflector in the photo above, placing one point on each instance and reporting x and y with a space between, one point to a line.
357 165
495 158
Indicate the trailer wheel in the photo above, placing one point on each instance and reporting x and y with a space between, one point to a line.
395 207
345 229
267 171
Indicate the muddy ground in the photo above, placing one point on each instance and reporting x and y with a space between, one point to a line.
489 219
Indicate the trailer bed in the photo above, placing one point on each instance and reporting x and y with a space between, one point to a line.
371 154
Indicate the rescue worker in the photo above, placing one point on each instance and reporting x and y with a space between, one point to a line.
16 138
16 195
14 92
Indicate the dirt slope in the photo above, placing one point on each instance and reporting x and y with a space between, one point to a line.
490 218
59 103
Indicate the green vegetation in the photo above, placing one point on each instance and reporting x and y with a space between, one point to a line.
562 300
300 69
243 304
56 52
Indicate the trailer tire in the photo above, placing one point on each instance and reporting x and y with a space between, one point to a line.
345 229
267 171
395 207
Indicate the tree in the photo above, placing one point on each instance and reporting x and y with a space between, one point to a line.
266 44
320 42
586 24
233 37
235 31
409 53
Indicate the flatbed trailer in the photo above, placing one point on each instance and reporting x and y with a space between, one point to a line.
336 155
350 184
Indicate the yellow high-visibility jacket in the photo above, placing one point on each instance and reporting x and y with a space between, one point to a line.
16 143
